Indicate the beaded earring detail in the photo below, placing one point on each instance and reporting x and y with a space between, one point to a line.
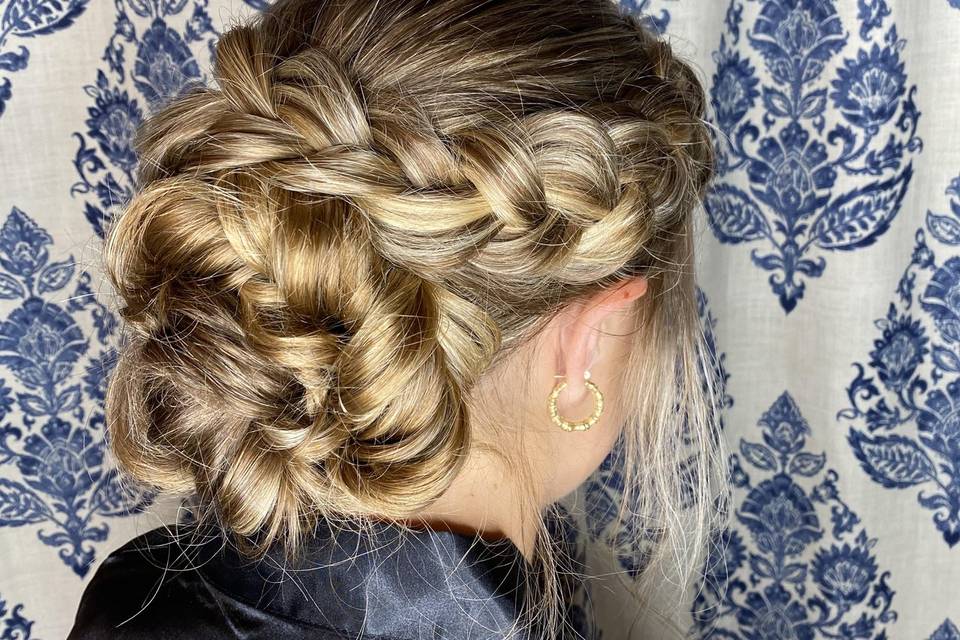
581 425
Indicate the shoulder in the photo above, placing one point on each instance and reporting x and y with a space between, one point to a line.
127 589
175 583
152 588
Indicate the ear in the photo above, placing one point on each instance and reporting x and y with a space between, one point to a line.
579 335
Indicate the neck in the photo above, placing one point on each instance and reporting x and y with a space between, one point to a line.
485 500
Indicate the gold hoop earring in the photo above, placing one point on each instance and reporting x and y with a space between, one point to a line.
581 425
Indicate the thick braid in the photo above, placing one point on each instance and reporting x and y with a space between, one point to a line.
495 179
321 261
337 387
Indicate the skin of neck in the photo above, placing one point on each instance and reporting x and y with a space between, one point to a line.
520 461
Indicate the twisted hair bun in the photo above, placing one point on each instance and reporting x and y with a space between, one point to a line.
327 249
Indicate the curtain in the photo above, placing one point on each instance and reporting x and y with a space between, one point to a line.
829 281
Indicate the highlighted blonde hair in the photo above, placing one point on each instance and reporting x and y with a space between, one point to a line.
374 205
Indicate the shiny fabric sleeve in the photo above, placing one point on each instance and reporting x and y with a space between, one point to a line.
145 591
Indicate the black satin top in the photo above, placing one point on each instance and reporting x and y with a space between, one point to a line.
171 584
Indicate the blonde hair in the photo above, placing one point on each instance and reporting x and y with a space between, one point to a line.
376 204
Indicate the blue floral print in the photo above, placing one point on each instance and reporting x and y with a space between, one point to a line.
13 626
778 572
23 20
946 631
906 429
163 65
51 422
778 162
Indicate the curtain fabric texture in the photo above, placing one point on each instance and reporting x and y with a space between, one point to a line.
829 262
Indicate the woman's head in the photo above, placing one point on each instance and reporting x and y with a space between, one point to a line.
341 260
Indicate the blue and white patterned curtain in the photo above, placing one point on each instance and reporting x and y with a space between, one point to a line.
829 272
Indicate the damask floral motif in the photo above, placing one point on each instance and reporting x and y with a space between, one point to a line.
777 572
946 631
25 20
942 300
165 39
164 64
844 573
51 443
113 121
779 515
912 417
899 350
774 613
734 87
12 623
868 89
791 161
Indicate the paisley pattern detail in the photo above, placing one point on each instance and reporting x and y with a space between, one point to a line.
603 492
782 148
946 631
21 20
906 398
778 572
13 626
149 60
51 419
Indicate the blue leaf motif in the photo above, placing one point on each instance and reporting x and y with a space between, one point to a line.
173 6
807 464
944 228
946 359
795 572
892 461
761 566
14 61
19 505
776 102
857 218
40 17
733 215
5 93
56 275
142 8
33 405
759 455
10 289
69 399
15 625
813 103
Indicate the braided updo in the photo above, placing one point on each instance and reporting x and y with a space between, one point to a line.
326 250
